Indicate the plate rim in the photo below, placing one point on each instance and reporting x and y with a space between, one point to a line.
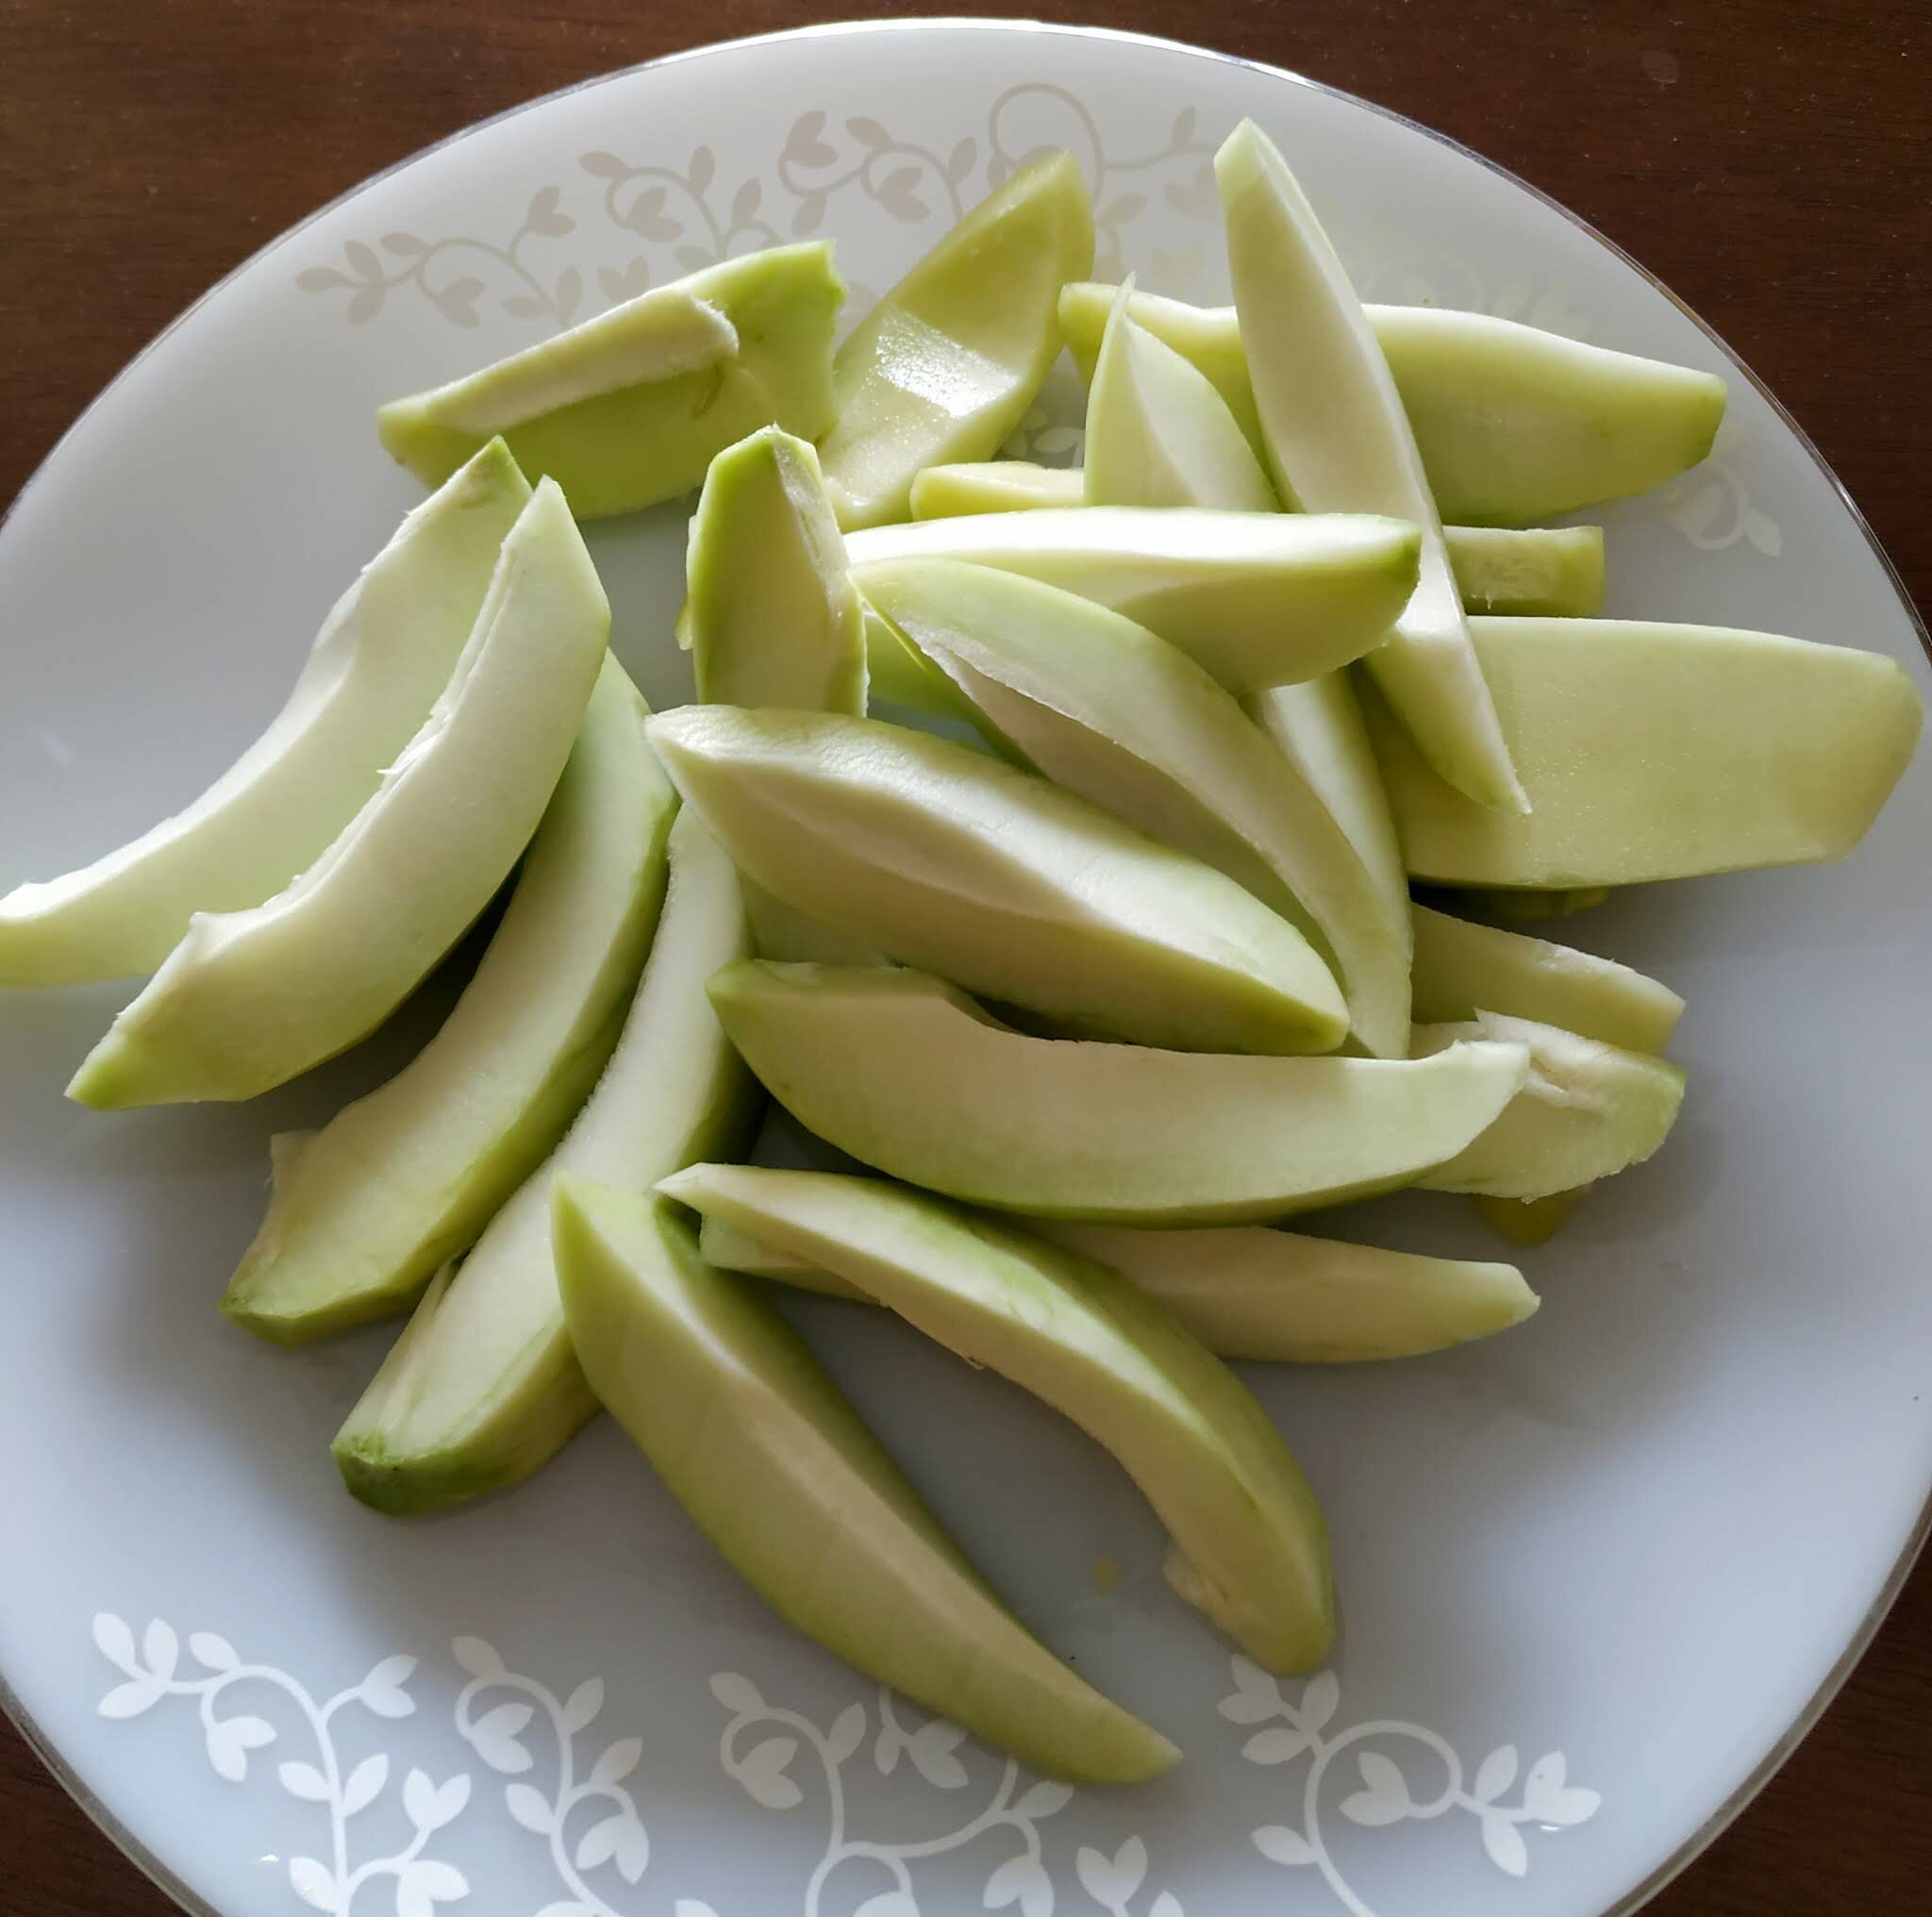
1862 1634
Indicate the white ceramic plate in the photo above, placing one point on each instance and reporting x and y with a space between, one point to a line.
1593 1576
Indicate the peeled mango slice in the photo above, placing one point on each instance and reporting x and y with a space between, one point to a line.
1244 1291
1258 598
1461 969
384 653
995 486
249 999
907 1074
943 856
1586 1110
1105 710
482 1387
1249 1546
1514 424
1337 440
945 366
756 1443
1657 751
627 409
363 1213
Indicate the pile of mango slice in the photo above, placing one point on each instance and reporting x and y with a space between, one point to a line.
1105 963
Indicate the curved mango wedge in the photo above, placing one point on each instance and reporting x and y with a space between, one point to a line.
943 856
385 651
971 486
945 365
363 1212
627 409
481 1388
773 1464
1249 1546
247 1000
906 1074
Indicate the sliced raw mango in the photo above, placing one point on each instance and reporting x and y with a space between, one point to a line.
995 486
1249 1546
627 409
362 1214
943 856
906 1074
385 651
1657 751
249 999
945 366
768 1456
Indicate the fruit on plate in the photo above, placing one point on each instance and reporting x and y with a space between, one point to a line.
1105 710
765 1453
943 856
249 999
1244 1291
627 409
1660 751
1536 569
1248 1543
481 1388
1514 424
1337 440
946 364
773 619
362 1214
906 1074
385 651
1258 598
1461 969
1585 1112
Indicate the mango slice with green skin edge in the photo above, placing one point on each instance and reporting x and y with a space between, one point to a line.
769 1458
385 651
1244 1291
1258 598
1337 440
1585 1112
249 1000
627 409
1105 710
1657 751
1514 424
1520 571
938 855
906 1074
1461 968
946 364
395 1185
1249 1546
482 1387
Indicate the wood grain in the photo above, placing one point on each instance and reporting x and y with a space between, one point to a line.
1770 159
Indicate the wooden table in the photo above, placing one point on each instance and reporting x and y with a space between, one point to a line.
1768 158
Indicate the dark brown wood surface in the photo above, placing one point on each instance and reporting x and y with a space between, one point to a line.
1770 159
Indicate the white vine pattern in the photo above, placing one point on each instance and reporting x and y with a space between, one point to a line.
1383 1797
150 1670
1711 503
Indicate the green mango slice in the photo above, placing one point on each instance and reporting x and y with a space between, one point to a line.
1259 599
943 856
482 1388
249 999
1514 424
972 486
627 409
385 651
768 1456
1337 440
363 1213
945 366
906 1074
1659 751
1249 1546
1105 710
